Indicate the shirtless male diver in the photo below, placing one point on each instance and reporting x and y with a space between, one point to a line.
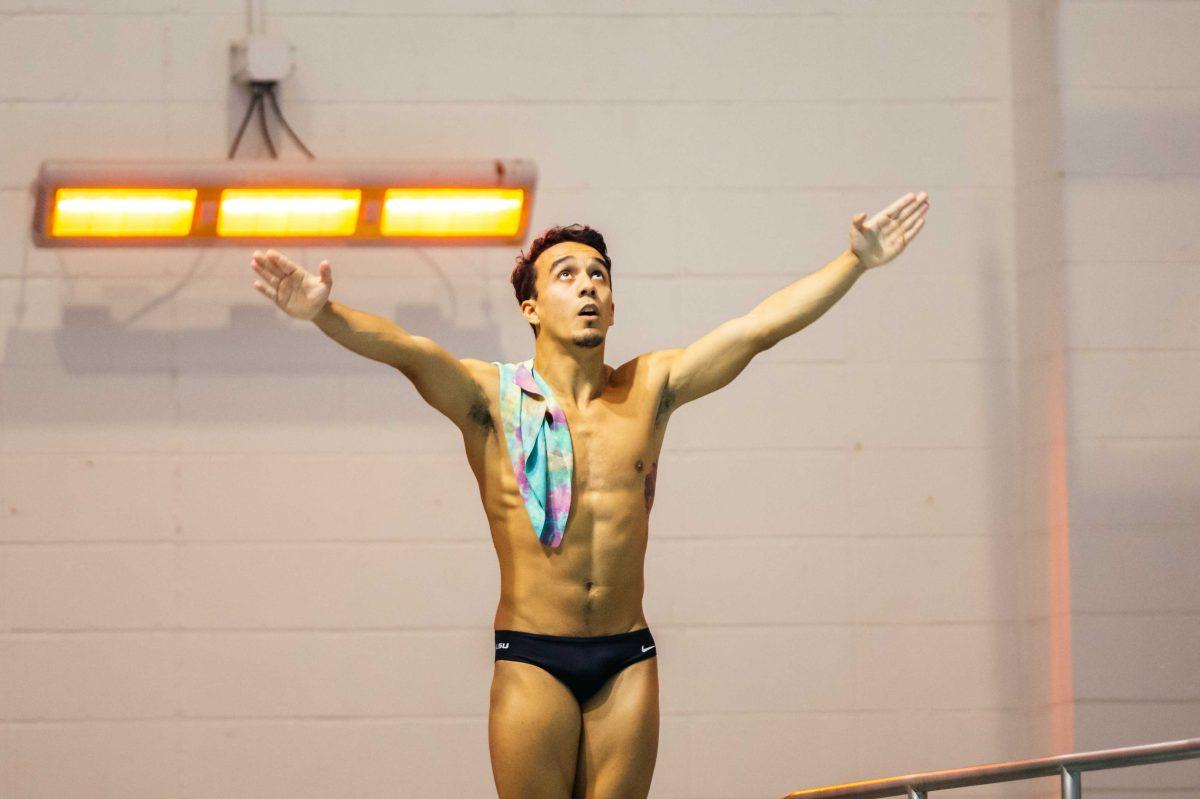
574 697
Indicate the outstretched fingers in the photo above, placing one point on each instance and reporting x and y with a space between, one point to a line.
285 265
910 231
904 208
267 291
919 205
261 260
897 206
268 277
914 218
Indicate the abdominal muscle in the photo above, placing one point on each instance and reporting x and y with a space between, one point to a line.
592 584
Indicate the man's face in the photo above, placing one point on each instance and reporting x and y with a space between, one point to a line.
570 277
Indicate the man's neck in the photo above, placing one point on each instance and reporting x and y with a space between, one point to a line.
575 374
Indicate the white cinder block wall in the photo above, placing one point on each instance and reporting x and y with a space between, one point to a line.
1043 586
1129 77
239 561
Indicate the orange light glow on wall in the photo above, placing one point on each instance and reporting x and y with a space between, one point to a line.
279 203
451 212
123 212
288 212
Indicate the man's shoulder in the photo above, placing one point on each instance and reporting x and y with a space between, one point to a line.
652 359
649 367
479 368
485 373
647 376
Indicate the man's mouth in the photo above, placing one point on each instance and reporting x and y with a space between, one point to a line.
590 310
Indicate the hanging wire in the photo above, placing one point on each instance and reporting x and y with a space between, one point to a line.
266 89
245 121
287 127
259 90
256 22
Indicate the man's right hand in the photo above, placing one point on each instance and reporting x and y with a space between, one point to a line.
298 293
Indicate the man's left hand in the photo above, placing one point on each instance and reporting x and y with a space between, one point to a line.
885 235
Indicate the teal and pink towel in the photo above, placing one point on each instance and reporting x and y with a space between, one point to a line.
539 446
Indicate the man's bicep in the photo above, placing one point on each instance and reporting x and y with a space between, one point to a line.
450 385
710 362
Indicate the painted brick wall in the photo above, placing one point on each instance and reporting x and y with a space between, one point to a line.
237 561
1129 78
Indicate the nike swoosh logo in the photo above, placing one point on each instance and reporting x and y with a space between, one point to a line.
647 648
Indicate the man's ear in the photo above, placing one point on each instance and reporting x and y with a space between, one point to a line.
529 311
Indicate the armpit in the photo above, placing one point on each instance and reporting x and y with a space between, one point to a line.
667 399
487 378
666 403
481 416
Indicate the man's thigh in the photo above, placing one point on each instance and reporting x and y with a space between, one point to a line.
533 733
620 736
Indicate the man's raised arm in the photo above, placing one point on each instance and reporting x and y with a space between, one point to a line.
713 360
442 380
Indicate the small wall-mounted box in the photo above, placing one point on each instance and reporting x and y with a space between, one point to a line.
259 57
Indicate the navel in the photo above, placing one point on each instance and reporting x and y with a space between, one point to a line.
638 466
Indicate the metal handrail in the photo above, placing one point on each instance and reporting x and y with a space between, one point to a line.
1068 767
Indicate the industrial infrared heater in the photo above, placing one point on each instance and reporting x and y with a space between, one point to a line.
260 203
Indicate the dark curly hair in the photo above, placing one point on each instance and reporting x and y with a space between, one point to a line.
524 276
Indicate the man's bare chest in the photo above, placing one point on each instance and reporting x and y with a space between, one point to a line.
614 449
615 440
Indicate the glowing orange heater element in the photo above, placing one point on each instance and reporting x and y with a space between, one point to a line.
288 212
123 212
451 212
278 203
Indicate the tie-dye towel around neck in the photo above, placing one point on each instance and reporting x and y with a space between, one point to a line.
539 446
